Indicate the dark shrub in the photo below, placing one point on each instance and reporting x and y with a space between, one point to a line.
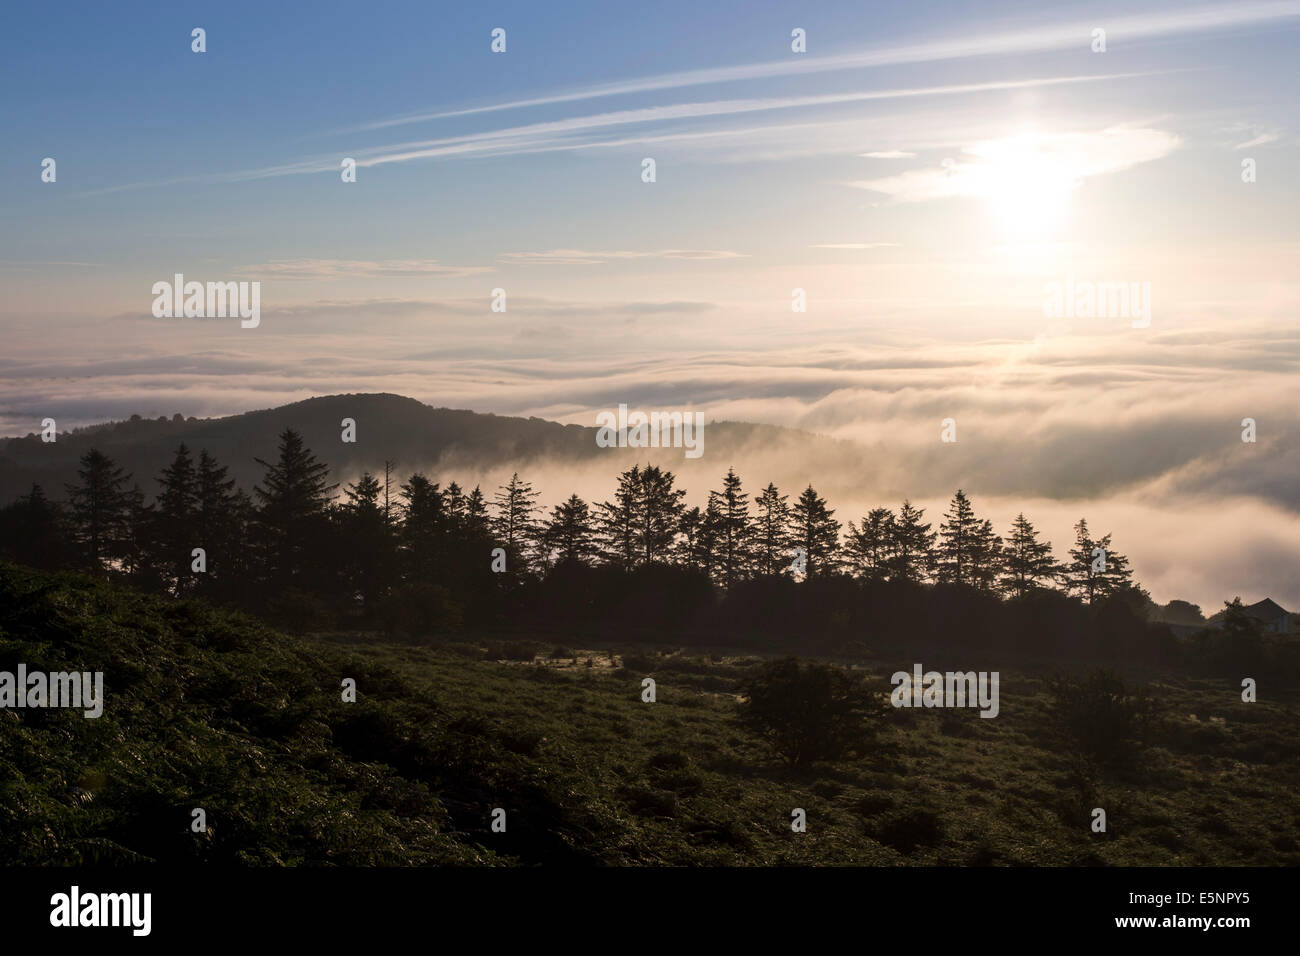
807 712
908 829
1099 715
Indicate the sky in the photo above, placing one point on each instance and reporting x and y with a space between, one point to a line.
926 174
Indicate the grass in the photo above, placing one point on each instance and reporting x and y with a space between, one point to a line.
213 710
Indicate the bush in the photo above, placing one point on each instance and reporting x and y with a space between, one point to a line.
1099 715
907 829
807 712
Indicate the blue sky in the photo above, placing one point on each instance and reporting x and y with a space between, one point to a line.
120 101
924 172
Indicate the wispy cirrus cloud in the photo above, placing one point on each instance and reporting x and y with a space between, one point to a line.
1262 139
1136 27
560 134
582 132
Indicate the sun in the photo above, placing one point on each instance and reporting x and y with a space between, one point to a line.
1026 184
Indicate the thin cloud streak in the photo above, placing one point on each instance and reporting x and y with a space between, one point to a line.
1041 40
556 136
535 136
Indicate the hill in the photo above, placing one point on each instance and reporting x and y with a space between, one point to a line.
214 710
389 427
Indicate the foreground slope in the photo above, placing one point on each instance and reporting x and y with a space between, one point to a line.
211 710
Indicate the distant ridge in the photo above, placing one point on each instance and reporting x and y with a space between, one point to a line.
407 431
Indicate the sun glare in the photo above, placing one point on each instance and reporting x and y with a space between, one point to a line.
1026 184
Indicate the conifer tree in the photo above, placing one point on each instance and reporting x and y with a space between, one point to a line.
294 498
618 521
1096 570
426 529
100 508
816 532
478 524
222 518
176 514
707 532
641 525
514 526
772 532
734 531
985 557
368 541
911 545
1026 561
868 547
569 536
659 513
957 532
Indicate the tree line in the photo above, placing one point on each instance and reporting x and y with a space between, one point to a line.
295 531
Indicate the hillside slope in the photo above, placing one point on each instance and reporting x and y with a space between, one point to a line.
389 428
213 710
205 709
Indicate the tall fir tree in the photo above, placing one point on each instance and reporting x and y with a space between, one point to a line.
772 532
911 545
618 522
426 529
957 531
659 513
1026 561
985 557
295 496
514 525
455 500
569 536
223 514
735 530
368 542
1096 570
815 532
868 546
641 525
688 532
176 512
100 509
705 544
477 527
